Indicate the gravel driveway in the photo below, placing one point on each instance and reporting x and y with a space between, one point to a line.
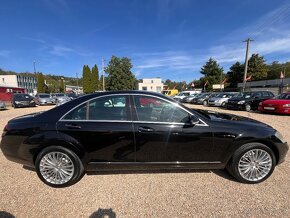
183 194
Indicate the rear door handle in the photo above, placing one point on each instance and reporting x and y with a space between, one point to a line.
72 126
145 129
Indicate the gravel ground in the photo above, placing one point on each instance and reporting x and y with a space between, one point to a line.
184 194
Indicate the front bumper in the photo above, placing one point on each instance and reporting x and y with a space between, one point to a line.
275 109
235 106
282 149
217 104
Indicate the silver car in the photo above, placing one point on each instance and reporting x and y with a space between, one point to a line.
2 105
188 99
62 100
44 99
221 99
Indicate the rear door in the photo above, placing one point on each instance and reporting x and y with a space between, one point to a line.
103 126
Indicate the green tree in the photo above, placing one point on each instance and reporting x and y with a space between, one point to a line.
101 82
40 83
87 86
235 75
95 78
257 67
212 72
119 73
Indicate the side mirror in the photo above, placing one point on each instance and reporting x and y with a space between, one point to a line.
193 120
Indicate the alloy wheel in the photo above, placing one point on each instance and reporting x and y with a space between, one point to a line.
255 164
56 168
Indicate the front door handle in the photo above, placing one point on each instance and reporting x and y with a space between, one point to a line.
72 126
145 129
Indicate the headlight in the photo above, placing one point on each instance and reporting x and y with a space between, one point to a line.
286 105
280 137
241 102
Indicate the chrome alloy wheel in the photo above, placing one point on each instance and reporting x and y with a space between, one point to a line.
255 164
56 167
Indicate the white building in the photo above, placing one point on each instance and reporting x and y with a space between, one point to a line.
20 81
153 84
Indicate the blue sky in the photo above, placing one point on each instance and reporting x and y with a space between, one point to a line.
163 38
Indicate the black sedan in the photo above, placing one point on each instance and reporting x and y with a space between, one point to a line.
22 100
118 131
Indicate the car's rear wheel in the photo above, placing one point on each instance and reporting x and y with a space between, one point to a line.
252 163
58 167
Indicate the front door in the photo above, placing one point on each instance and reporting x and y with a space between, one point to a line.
163 133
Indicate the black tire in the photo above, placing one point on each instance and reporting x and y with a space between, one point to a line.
233 164
248 107
78 169
223 104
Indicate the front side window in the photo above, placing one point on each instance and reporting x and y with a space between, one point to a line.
104 108
153 109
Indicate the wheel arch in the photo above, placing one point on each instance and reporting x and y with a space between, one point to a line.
77 149
265 142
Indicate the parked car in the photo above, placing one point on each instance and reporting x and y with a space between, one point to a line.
170 92
62 100
113 131
44 99
221 99
182 95
2 105
280 104
72 95
22 100
58 96
203 98
189 98
248 100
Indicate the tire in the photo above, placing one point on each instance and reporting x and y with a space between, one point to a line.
67 161
204 103
244 164
248 107
223 104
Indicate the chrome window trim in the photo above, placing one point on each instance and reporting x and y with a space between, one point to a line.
139 121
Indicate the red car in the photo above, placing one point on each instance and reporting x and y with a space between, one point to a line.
280 104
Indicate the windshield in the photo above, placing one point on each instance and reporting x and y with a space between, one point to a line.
59 95
44 96
245 94
285 96
22 97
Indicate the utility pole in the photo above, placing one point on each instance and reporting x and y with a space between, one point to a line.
103 71
34 67
246 62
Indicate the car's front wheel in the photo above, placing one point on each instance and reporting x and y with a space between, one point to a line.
252 163
58 167
248 107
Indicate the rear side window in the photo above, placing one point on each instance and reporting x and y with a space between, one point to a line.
105 108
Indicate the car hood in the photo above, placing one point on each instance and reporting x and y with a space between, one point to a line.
25 117
277 101
231 118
